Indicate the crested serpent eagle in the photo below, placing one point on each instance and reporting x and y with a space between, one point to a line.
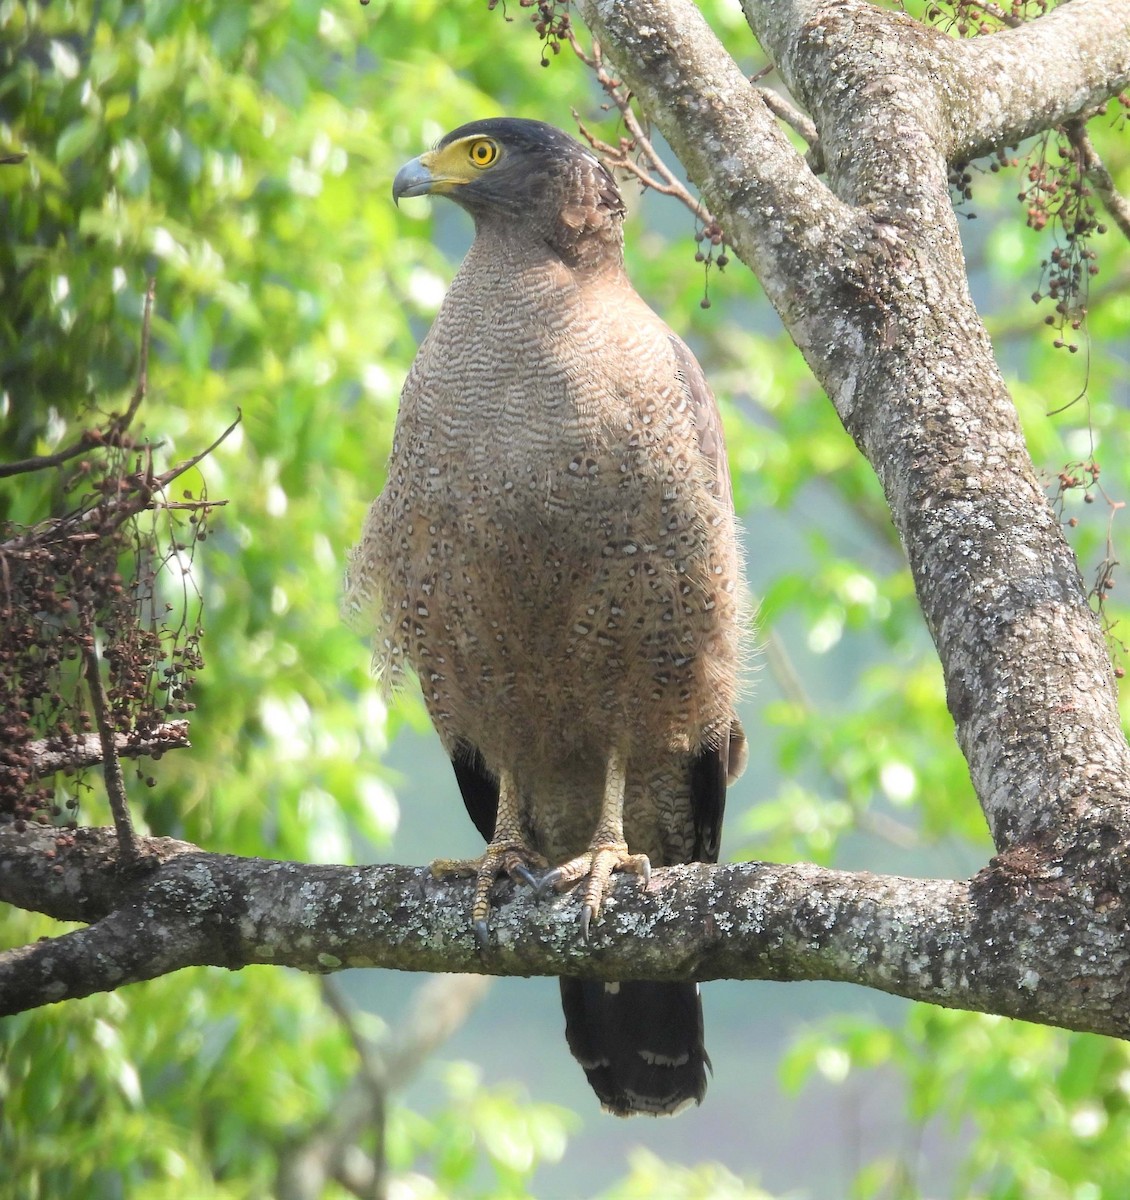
554 556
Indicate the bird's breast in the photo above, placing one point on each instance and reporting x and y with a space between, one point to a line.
549 534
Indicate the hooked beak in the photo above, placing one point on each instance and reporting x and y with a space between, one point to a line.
415 178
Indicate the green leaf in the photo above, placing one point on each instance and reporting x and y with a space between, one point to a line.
76 140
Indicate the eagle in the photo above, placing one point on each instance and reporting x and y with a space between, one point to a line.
555 556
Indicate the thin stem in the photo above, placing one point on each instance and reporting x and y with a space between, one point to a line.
111 764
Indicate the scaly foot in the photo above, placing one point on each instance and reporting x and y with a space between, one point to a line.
597 864
502 857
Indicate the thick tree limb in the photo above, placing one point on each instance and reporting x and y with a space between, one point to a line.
997 943
1043 73
883 315
986 92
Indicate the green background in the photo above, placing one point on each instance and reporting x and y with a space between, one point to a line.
243 154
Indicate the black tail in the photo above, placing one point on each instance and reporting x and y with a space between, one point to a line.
639 1043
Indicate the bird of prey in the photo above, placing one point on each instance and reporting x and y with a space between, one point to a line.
554 556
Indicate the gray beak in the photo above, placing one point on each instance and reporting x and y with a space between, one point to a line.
413 179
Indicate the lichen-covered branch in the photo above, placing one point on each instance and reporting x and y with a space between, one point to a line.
1043 73
985 92
996 943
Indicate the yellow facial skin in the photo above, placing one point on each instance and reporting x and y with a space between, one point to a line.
447 168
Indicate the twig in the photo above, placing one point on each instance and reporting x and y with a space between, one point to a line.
656 174
438 1008
788 680
790 114
1096 171
114 432
111 765
59 529
784 671
141 389
48 755
1005 18
162 481
146 485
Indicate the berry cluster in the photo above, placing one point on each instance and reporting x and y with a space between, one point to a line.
551 20
1058 198
713 238
971 18
110 577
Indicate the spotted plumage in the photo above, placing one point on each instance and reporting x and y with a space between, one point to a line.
554 556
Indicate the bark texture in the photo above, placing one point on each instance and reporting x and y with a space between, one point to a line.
864 265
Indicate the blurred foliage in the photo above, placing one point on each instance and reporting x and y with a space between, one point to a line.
1046 1116
242 154
650 1177
500 1125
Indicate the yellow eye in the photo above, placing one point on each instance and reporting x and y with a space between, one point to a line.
482 152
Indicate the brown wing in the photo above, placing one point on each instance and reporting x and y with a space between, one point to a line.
713 766
707 419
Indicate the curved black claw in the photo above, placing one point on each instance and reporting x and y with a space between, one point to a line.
545 885
482 934
587 915
527 876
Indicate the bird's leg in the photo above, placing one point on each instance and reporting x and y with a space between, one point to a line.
607 851
506 854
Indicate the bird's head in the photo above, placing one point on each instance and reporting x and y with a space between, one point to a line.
524 178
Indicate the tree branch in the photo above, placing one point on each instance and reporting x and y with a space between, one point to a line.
1114 201
48 755
1016 83
40 462
799 122
995 944
984 92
